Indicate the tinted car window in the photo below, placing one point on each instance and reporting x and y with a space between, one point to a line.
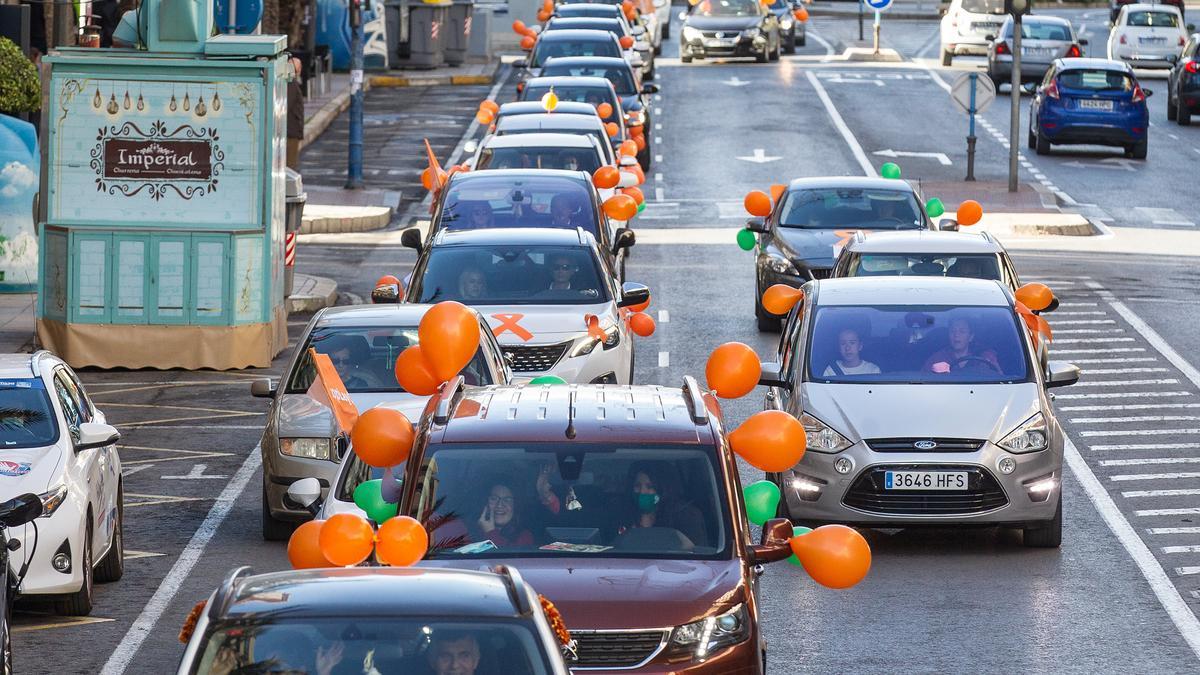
916 345
596 134
1096 80
511 275
26 418
549 49
1040 31
1154 19
620 77
727 8
983 6
528 201
850 208
982 266
591 95
571 159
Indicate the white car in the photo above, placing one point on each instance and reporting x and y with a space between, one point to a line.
57 445
1148 36
966 26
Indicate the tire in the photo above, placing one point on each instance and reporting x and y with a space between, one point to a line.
112 565
666 29
1138 151
767 322
1032 142
774 56
649 75
658 50
803 40
79 603
1048 535
789 47
1172 111
1183 114
763 57
1043 145
273 529
947 58
685 59
6 645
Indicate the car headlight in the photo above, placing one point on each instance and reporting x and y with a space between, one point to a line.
821 437
701 638
53 499
309 448
1030 436
691 34
586 344
786 24
750 32
661 3
780 265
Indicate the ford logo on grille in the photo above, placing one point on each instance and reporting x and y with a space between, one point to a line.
720 35
925 445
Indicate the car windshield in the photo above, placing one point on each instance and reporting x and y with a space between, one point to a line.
590 94
620 77
537 157
983 6
291 646
483 203
850 209
594 133
549 49
1040 30
978 266
364 357
568 499
1154 19
727 8
26 418
1095 80
512 275
917 345
609 24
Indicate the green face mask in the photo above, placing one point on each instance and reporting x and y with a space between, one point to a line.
646 503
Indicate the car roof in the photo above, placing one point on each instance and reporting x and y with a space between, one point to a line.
18 366
1150 7
594 61
372 591
925 241
514 236
518 174
595 413
849 182
550 121
1080 63
914 290
388 314
589 9
577 35
536 107
569 81
544 139
581 21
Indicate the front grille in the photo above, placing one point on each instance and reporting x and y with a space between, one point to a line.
535 358
615 649
983 493
910 444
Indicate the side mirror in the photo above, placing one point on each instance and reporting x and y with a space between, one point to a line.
649 88
624 238
522 64
20 510
683 16
263 388
411 238
304 494
386 294
1083 42
627 179
1061 374
471 146
757 224
1051 307
771 376
990 38
1148 92
627 160
1191 28
633 294
774 546
948 225
96 435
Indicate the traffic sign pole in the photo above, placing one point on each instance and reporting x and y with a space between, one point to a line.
972 93
1015 108
876 31
971 130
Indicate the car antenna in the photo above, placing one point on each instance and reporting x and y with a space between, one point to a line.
571 414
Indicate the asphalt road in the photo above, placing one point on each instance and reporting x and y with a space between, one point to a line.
1119 596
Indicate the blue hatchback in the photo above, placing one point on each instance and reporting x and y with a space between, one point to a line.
1090 101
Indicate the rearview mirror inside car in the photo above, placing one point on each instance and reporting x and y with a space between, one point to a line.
96 435
304 494
1061 374
770 375
263 388
774 546
411 238
757 224
633 294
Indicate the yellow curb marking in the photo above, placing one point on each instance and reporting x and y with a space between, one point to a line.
187 419
152 500
56 622
133 555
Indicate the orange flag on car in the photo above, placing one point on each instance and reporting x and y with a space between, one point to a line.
327 388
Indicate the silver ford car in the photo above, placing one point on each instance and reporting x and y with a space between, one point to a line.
923 406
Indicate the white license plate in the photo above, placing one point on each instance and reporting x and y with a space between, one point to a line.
990 27
720 42
1095 104
1152 40
1036 51
925 480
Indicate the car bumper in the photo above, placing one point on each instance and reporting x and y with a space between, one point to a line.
1067 130
64 531
1031 71
742 658
600 366
968 45
1147 58
814 490
1189 95
743 47
280 471
768 277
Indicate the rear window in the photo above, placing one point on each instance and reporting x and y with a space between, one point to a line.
570 159
1095 80
983 6
1154 19
621 77
549 49
590 95
26 418
978 266
1040 31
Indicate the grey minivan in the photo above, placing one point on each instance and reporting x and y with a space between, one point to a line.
924 405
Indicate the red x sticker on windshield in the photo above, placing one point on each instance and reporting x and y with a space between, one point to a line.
508 322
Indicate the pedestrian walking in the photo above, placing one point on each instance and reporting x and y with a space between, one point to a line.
295 117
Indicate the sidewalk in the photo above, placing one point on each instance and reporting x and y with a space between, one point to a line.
16 322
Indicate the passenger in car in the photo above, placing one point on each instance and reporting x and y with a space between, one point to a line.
562 269
472 285
499 522
479 216
562 211
969 268
962 354
656 501
850 347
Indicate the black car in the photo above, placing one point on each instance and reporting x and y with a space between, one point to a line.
729 28
1183 84
641 52
617 71
559 43
815 218
13 513
792 32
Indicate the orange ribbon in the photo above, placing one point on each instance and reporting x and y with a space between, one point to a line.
508 322
593 326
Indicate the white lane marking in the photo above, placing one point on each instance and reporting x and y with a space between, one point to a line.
1088 331
1167 512
657 126
1147 446
664 359
1185 621
829 48
839 123
1143 461
1160 493
659 193
1173 530
119 660
658 159
658 111
1090 313
470 132
1123 371
1154 476
1104 350
1126 383
1149 333
658 178
1122 394
1181 549
1093 340
1139 432
197 473
1119 359
1077 304
1136 406
1184 571
1145 418
664 316
1082 322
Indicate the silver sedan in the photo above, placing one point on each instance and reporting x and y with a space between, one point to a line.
1043 39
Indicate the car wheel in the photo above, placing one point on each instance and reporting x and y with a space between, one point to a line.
1138 151
803 40
767 322
6 646
763 57
790 45
79 603
666 30
947 57
1032 142
1183 114
685 58
1048 535
112 565
774 56
1172 111
1043 145
273 529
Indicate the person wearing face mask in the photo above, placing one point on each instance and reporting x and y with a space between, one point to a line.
656 501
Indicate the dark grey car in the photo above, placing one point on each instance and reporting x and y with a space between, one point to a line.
1043 39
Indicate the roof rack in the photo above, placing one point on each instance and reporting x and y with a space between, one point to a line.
516 588
859 236
695 399
987 236
445 396
226 592
35 361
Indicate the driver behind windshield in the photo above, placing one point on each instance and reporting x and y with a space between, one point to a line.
962 353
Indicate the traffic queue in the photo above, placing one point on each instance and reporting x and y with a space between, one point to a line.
470 480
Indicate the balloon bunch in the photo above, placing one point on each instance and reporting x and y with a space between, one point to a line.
448 339
487 111
640 323
546 11
630 11
528 35
1033 298
760 205
800 14
347 539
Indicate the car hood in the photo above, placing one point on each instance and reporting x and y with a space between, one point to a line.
727 23
980 411
301 416
543 324
814 246
29 470
609 593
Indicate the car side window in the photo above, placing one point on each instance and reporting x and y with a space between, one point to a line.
69 407
790 343
494 354
75 389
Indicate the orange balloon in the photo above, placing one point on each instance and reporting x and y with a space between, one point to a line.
414 373
1035 296
527 42
636 170
519 27
485 116
604 110
304 547
548 6
642 324
640 307
969 212
801 14
771 440
629 148
757 203
427 178
835 556
612 129
636 193
543 16
620 207
382 437
449 338
732 370
781 298
777 191
634 132
626 41
639 141
402 541
387 279
489 104
606 177
346 539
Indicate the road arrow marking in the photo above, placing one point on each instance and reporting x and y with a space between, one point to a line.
759 157
736 82
842 80
197 473
939 156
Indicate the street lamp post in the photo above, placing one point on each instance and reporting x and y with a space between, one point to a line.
354 170
1016 8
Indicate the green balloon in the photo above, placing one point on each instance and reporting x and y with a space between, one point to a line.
796 532
641 207
890 170
548 379
746 240
762 501
934 207
368 496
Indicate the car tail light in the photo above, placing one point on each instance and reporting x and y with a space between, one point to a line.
1181 41
1138 94
1123 40
1074 51
1192 66
1002 48
520 87
1052 89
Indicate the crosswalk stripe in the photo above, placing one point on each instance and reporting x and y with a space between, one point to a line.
1142 461
1153 476
1084 313
1173 530
1161 493
1078 304
1122 394
1102 350
1181 549
1124 383
1123 371
1141 418
1187 570
1191 510
1135 406
1086 331
1084 322
1140 432
1148 446
1119 359
1092 340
